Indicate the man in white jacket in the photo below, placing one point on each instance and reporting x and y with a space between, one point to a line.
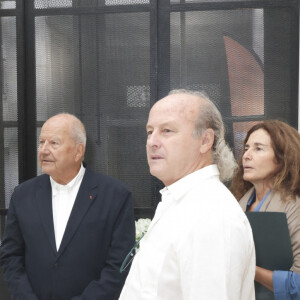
199 244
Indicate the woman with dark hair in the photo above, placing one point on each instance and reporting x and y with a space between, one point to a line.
267 179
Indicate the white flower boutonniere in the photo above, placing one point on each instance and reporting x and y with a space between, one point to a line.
141 227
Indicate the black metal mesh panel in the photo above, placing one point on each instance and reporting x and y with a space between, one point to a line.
39 4
97 67
107 66
241 58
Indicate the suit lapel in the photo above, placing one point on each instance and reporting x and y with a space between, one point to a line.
44 205
85 197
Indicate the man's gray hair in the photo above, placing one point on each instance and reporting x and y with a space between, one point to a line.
210 117
78 132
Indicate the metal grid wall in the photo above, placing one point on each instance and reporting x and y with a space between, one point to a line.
108 61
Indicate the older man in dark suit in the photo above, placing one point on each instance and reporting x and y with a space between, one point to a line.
68 230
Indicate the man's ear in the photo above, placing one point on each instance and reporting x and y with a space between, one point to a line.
80 149
207 140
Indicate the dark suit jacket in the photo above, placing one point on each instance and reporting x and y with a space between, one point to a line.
99 234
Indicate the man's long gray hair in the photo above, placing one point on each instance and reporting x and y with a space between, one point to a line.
210 117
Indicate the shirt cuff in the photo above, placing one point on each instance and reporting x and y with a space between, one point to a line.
280 279
286 285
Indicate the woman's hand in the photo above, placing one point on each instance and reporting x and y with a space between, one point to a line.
264 277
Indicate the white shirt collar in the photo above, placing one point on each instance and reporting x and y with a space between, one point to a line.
183 185
57 187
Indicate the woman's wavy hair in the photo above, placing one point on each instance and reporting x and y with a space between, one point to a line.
285 141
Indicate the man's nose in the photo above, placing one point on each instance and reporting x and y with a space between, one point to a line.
44 147
153 140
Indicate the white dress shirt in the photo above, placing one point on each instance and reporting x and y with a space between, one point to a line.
198 246
63 198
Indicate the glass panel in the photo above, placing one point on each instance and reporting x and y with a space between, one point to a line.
9 68
126 2
52 3
210 1
198 56
39 4
11 169
7 4
8 110
57 65
38 131
241 58
240 130
98 67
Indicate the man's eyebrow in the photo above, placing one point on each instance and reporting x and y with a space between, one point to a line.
50 138
148 126
166 123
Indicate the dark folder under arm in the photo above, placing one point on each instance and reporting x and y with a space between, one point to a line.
272 245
